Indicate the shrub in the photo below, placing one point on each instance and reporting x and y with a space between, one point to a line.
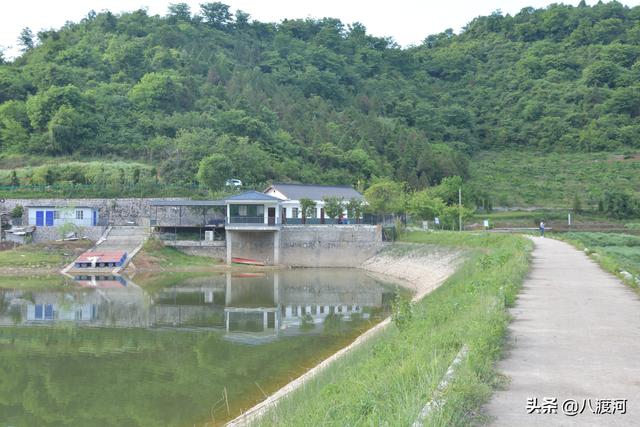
402 311
68 227
17 212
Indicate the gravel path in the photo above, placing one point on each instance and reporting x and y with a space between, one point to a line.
575 335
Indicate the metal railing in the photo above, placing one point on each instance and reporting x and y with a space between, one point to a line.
330 221
252 220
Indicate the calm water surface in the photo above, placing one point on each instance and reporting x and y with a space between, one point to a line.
174 349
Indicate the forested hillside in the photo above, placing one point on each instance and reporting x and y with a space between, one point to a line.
319 100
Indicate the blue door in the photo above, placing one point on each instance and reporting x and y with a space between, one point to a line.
39 218
94 220
49 218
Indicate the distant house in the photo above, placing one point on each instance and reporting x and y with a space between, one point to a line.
53 216
291 194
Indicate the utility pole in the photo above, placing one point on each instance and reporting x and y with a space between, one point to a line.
460 208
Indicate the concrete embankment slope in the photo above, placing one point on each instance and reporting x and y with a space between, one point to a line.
124 238
127 239
420 267
575 335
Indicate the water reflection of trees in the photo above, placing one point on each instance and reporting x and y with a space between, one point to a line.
160 366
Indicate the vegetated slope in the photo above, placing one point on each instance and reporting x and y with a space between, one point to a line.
614 252
389 379
552 179
318 100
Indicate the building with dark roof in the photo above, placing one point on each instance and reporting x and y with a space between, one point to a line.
291 194
312 191
253 209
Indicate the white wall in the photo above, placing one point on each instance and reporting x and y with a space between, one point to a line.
290 204
65 215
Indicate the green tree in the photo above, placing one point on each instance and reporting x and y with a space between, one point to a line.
447 191
620 204
214 170
15 182
333 207
451 216
17 211
576 204
216 14
601 73
26 39
307 207
13 136
163 91
423 206
180 11
43 106
355 208
67 129
386 197
136 176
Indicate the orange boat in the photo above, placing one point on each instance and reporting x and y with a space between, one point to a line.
246 261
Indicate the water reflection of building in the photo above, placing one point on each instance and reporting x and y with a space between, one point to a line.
98 301
249 308
194 303
298 302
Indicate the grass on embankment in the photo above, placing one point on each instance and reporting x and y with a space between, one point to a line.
42 256
614 252
387 380
154 255
49 281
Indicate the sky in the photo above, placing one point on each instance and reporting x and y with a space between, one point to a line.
406 21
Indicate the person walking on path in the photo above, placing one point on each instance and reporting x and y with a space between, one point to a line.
541 228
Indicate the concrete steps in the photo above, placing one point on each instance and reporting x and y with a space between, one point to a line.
118 238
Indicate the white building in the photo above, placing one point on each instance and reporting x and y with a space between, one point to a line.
291 194
54 216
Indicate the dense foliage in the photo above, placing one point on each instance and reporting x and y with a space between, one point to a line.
318 100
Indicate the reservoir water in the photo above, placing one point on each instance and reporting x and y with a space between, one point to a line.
182 349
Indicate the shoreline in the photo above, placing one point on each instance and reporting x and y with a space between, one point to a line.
421 273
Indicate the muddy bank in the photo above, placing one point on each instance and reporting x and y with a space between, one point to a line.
421 268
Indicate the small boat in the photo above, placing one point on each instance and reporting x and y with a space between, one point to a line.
248 275
246 261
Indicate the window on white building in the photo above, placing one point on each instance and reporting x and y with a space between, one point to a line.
56 214
242 210
79 214
294 212
259 210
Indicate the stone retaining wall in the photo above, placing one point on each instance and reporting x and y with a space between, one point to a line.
213 249
46 234
116 211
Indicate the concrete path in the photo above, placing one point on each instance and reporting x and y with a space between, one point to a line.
575 335
117 238
124 238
